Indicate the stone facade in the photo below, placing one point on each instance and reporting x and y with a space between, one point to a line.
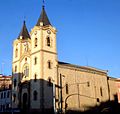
87 86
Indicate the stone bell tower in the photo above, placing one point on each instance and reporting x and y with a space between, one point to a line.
20 65
44 60
35 66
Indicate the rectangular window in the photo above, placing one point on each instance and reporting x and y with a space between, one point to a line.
35 60
15 68
8 94
66 88
4 94
49 81
49 64
48 41
36 42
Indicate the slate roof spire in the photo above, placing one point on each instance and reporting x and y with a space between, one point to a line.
24 32
43 18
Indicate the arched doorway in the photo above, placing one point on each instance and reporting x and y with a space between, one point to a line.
25 99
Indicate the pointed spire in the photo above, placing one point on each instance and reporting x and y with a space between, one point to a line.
43 18
24 32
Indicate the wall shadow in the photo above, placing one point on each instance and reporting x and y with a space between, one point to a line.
29 99
108 107
33 96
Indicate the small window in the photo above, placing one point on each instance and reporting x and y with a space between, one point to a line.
98 100
66 88
35 95
88 84
35 79
15 83
8 94
16 52
49 81
36 41
49 64
15 68
25 59
35 60
48 41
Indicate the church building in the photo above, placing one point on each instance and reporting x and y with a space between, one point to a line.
41 83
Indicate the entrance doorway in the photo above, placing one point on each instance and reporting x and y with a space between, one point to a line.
25 103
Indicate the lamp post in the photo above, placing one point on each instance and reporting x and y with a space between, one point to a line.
61 93
61 97
78 95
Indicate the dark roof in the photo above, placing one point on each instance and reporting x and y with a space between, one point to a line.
24 32
63 63
82 67
43 18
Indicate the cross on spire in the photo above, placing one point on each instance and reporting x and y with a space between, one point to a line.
43 17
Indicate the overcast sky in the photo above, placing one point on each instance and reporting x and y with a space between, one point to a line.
88 30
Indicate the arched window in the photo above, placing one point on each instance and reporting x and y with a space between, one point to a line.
35 78
48 41
16 52
35 95
35 60
49 64
36 41
26 71
25 59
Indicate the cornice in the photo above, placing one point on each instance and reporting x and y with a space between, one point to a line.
82 69
43 51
